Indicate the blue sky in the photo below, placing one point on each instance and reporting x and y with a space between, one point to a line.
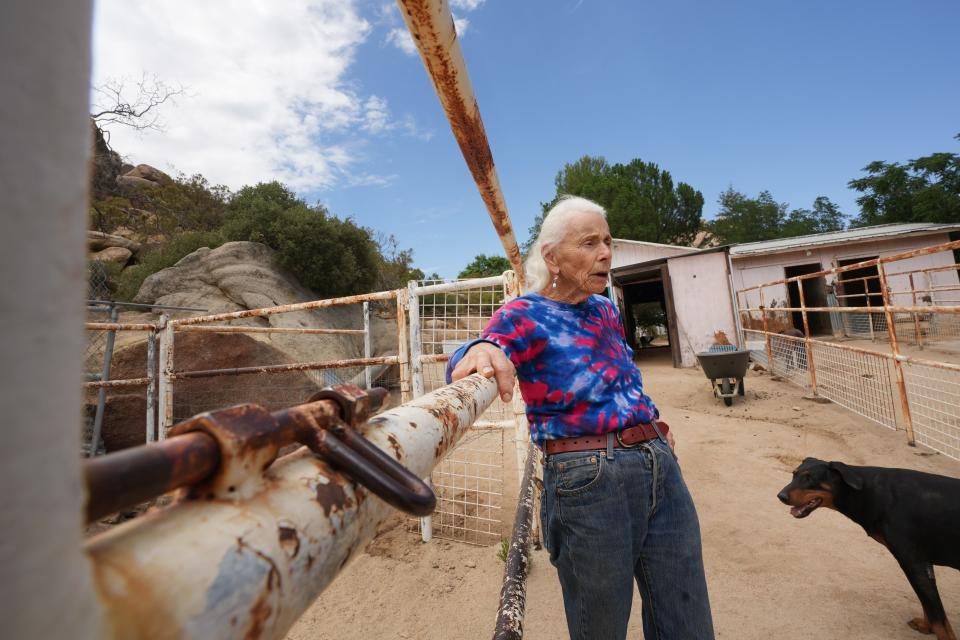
794 98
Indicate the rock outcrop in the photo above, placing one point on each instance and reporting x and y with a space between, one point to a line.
146 172
242 275
120 255
98 241
124 418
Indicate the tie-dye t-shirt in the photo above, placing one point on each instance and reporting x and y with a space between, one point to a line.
576 372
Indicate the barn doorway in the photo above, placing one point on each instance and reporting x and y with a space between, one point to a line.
647 310
814 295
860 288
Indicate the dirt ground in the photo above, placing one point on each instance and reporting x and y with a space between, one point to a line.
769 575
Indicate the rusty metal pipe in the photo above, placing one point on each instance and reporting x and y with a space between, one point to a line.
431 26
121 480
110 384
295 330
513 594
281 368
118 326
285 308
249 568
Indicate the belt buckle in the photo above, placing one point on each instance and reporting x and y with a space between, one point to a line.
623 444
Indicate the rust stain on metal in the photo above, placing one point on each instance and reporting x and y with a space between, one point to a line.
259 614
131 594
395 445
289 540
331 495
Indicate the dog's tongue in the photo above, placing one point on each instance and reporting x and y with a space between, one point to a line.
796 512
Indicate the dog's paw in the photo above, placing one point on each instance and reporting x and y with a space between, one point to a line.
921 625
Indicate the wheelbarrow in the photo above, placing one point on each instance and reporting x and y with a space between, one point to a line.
725 369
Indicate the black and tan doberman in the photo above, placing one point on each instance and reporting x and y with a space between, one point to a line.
913 514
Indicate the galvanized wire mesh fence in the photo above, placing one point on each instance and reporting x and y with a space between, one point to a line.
284 361
859 381
934 395
897 305
469 482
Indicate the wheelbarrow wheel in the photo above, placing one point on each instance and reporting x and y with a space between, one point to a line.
727 391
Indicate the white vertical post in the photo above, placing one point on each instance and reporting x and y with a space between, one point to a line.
165 401
47 590
151 386
403 350
367 344
416 379
416 342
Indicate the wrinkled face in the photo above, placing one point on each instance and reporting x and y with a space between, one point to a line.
812 487
582 258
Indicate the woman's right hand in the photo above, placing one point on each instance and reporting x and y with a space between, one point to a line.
490 360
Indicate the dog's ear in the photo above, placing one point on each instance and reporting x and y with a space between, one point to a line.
850 476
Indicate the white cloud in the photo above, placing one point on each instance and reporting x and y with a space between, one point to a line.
399 36
268 93
466 5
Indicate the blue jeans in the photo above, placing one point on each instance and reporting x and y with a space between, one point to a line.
609 522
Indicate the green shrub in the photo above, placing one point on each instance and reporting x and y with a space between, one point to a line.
333 257
169 254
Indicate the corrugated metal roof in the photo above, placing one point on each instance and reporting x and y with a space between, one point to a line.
653 244
840 237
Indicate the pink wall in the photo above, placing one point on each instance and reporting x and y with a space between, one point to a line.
701 300
752 270
627 252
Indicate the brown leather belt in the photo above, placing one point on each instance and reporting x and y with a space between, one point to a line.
625 438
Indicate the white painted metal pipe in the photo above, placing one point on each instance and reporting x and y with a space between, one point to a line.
250 568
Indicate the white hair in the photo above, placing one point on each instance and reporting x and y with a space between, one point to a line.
552 231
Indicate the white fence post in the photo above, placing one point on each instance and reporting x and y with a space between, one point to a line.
165 399
367 344
416 342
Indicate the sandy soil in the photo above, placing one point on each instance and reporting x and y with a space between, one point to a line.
769 574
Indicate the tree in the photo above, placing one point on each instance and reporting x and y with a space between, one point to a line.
926 189
333 257
484 265
824 217
641 200
115 102
744 219
395 268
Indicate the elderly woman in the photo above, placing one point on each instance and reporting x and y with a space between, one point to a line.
615 508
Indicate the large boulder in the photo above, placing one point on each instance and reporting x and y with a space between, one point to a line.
132 184
120 255
97 241
242 275
152 174
124 420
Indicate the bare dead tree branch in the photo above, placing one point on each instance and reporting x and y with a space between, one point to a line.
137 106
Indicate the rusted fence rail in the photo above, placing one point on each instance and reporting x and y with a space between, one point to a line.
896 389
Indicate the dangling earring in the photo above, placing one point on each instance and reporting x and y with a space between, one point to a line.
555 280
